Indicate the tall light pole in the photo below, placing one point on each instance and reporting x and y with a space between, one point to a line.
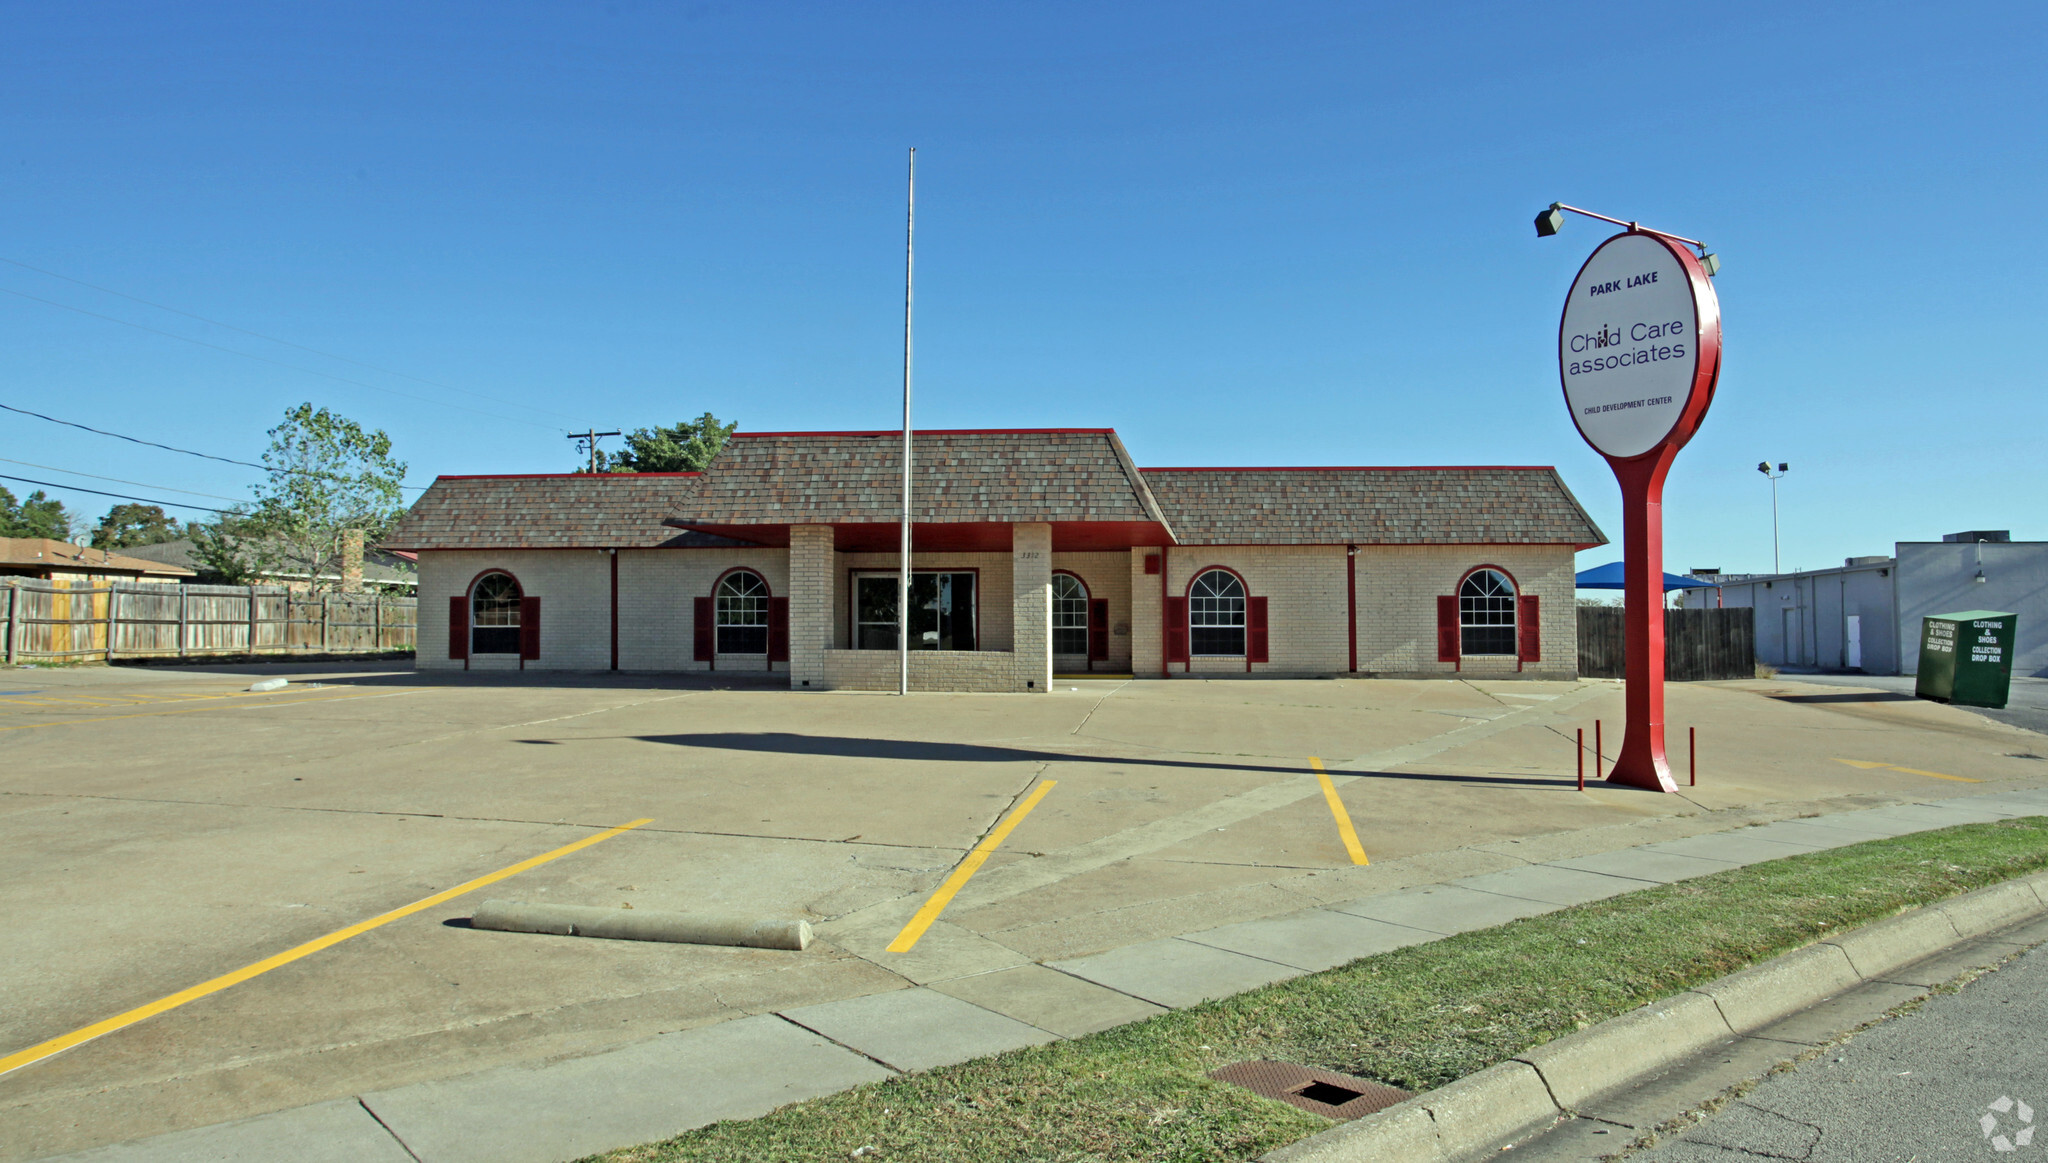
1764 467
903 565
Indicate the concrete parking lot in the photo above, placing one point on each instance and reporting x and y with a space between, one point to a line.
161 827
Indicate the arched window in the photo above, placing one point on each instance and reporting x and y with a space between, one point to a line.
1216 614
1486 613
494 614
1069 615
742 613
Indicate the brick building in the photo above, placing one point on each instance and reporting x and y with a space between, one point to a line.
1034 552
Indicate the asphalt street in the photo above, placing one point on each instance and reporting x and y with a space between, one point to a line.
2028 707
1964 1076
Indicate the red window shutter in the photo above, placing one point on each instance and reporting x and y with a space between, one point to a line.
1098 629
703 635
529 628
1176 629
1256 638
1529 627
458 627
1152 563
778 629
1447 628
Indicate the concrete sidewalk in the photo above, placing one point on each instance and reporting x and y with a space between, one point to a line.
748 1067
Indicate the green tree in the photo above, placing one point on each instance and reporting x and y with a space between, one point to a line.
328 475
130 524
686 446
233 549
38 516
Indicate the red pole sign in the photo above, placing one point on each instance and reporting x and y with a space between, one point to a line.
1639 353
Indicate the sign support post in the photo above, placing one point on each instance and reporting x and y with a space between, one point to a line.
1639 354
1641 762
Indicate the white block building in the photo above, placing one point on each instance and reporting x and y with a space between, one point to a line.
1034 552
1866 614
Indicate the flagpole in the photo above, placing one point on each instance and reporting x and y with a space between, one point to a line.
903 566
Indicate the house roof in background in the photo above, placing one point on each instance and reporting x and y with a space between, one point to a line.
1500 505
552 511
378 565
43 553
957 477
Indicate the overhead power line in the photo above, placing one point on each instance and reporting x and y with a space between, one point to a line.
185 451
274 362
116 496
267 338
117 480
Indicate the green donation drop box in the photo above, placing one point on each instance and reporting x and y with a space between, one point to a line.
1966 658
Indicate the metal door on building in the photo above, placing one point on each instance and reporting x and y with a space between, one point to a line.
1852 642
1791 637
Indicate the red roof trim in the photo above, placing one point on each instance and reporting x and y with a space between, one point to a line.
939 432
550 476
1371 468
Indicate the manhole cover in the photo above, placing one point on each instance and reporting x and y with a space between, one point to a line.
1337 1096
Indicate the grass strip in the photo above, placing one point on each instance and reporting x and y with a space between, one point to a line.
1417 1018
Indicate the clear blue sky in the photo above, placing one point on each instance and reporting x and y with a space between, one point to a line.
1239 233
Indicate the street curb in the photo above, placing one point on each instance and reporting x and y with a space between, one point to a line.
1481 1113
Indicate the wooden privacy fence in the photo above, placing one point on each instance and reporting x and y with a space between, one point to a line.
62 621
1698 644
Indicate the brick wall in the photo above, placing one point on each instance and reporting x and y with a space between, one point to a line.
1145 623
1304 590
812 573
1031 604
1397 591
1108 577
658 589
988 671
574 588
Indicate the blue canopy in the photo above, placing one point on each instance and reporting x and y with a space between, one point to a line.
1609 577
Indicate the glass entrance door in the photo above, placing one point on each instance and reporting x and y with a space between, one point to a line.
941 611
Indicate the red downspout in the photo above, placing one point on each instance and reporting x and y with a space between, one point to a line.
615 609
1351 600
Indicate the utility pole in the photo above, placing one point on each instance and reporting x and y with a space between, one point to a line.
589 440
1765 468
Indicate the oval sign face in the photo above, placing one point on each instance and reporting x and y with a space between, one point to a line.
1641 337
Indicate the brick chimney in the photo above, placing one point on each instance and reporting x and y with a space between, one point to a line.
352 561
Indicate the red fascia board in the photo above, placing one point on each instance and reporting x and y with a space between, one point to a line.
938 432
550 476
1368 543
1372 468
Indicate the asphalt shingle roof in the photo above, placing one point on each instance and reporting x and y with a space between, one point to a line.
1061 475
580 511
1372 506
832 478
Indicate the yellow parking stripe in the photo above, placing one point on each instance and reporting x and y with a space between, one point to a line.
76 1037
1868 764
907 939
1344 828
